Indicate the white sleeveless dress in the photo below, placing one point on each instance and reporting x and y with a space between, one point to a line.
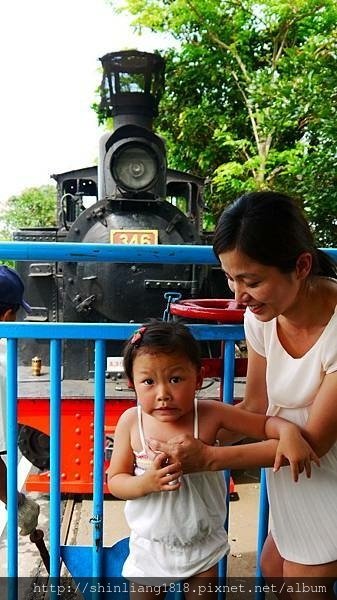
303 514
177 534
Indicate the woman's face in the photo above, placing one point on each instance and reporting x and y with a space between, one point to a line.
264 289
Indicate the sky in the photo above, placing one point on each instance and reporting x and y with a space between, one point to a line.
49 69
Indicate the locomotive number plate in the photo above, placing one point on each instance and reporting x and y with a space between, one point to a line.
134 236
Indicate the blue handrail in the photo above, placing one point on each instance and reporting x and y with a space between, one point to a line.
75 252
99 332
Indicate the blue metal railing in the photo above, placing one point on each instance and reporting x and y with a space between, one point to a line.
21 251
100 333
171 254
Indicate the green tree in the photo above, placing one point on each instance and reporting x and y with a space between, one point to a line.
34 207
251 97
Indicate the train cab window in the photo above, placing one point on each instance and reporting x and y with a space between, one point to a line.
77 195
178 193
180 202
88 201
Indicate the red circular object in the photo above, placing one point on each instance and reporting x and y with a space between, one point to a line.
209 309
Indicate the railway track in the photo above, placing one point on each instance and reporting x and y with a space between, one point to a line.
76 530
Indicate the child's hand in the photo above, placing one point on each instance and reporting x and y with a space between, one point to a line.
296 450
163 478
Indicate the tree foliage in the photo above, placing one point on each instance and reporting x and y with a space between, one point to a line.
251 97
34 207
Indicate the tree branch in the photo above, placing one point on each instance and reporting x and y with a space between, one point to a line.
249 108
273 173
229 48
278 49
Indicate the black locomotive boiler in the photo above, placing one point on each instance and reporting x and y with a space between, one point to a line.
131 197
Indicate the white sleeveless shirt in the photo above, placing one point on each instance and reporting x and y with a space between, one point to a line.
177 534
303 514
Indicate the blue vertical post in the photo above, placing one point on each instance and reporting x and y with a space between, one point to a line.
12 466
229 364
227 396
262 531
55 443
97 519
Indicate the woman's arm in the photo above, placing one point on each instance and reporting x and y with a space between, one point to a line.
255 398
122 482
321 427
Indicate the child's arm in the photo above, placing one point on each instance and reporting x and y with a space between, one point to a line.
122 483
255 397
196 456
292 448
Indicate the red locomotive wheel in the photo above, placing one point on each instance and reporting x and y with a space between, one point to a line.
209 309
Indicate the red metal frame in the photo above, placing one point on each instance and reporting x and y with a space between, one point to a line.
77 439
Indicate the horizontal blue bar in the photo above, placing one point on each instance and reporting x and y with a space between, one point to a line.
122 253
332 252
106 331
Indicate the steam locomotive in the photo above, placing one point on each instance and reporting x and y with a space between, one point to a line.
132 197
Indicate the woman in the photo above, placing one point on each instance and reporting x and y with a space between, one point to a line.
268 254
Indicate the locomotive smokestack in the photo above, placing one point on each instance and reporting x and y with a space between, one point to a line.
132 158
131 88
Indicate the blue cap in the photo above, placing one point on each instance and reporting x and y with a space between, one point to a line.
12 288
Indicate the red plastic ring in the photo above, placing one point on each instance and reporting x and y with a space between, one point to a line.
209 309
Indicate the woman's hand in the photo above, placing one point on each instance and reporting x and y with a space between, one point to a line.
295 450
191 453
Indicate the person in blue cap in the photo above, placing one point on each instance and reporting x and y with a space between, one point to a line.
11 299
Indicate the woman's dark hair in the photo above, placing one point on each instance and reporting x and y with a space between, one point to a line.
164 337
271 229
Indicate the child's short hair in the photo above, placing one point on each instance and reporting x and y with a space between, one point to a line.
161 336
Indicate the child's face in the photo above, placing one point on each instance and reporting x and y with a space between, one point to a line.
165 384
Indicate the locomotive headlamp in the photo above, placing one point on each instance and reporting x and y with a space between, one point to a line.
135 167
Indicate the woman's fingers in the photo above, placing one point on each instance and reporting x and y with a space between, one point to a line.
307 467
